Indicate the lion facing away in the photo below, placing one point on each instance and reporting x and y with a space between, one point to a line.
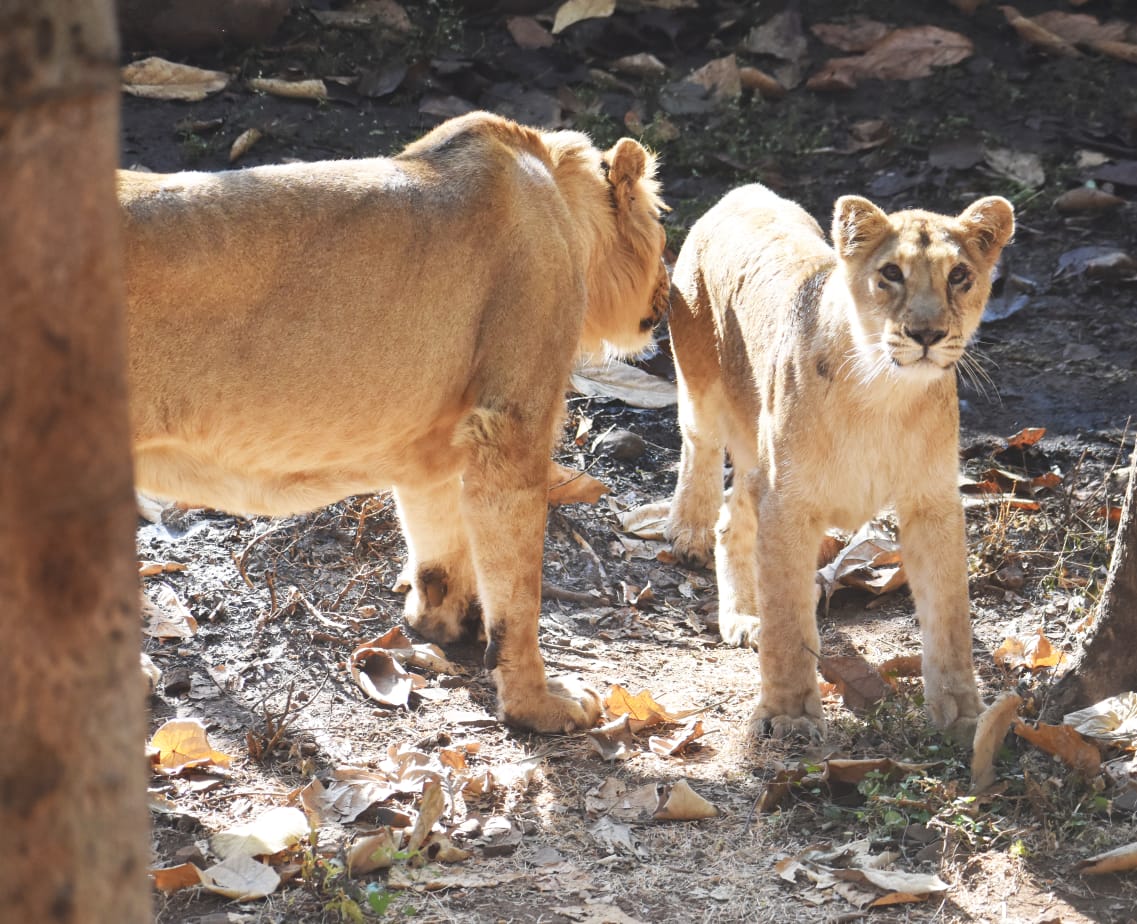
302 333
829 375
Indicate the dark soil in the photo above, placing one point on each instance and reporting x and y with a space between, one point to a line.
281 604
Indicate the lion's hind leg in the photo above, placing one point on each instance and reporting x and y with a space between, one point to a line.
504 501
441 603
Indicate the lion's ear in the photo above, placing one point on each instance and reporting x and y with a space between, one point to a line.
857 225
628 163
989 223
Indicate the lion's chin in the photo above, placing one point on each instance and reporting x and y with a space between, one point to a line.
924 369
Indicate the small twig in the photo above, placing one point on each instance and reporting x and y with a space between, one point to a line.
553 592
253 542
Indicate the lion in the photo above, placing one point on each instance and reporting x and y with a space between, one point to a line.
829 376
306 332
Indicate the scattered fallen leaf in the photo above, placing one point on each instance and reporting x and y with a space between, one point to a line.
859 683
614 740
430 809
241 878
1032 652
1113 719
439 847
1087 199
674 745
1064 743
720 77
903 54
369 852
528 33
1037 35
994 723
642 709
381 676
844 770
167 616
765 85
679 802
157 78
1024 167
433 878
343 801
640 65
574 11
270 832
778 789
290 89
244 143
901 666
900 886
1118 860
1098 261
869 561
172 878
366 14
859 34
646 522
633 386
151 568
568 486
181 744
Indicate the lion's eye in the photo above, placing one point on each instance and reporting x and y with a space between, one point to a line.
892 272
957 275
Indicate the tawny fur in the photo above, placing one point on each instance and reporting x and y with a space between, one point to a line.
302 333
829 375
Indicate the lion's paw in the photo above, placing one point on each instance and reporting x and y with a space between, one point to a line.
692 546
565 705
739 630
438 609
807 727
955 708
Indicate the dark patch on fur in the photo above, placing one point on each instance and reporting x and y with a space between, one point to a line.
493 647
807 300
434 585
925 238
823 369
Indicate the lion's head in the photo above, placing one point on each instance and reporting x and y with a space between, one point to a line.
627 282
919 281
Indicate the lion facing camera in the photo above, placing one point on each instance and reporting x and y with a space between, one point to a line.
829 375
302 333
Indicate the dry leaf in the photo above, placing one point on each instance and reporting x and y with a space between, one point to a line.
673 745
841 770
439 847
642 709
994 723
779 788
1118 860
430 809
244 143
719 77
156 78
181 744
370 852
765 85
574 11
1064 743
640 65
1123 51
646 522
1033 652
240 878
528 33
568 486
1037 35
1081 28
1087 199
857 35
1113 719
343 801
1023 167
859 683
679 802
1027 436
290 89
869 561
168 616
901 666
433 878
900 886
614 741
633 386
268 833
366 14
903 54
172 878
381 676
151 568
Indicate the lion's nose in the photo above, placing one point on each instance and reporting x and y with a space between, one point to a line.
925 336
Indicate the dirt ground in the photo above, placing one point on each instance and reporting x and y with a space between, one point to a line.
280 605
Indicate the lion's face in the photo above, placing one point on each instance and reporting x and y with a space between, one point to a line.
919 281
628 286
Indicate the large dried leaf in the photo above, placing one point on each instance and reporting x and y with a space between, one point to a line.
574 11
679 802
240 878
858 682
430 809
869 561
1113 719
1118 860
720 78
167 616
994 723
1087 199
157 78
900 666
1023 167
1064 743
899 886
173 878
633 386
857 35
370 852
568 486
528 33
290 89
614 740
268 833
1031 652
904 54
366 14
244 143
181 744
647 522
343 801
381 676
778 789
642 709
853 771
674 745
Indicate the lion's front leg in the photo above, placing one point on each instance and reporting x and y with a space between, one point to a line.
441 602
504 502
790 702
698 490
933 543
